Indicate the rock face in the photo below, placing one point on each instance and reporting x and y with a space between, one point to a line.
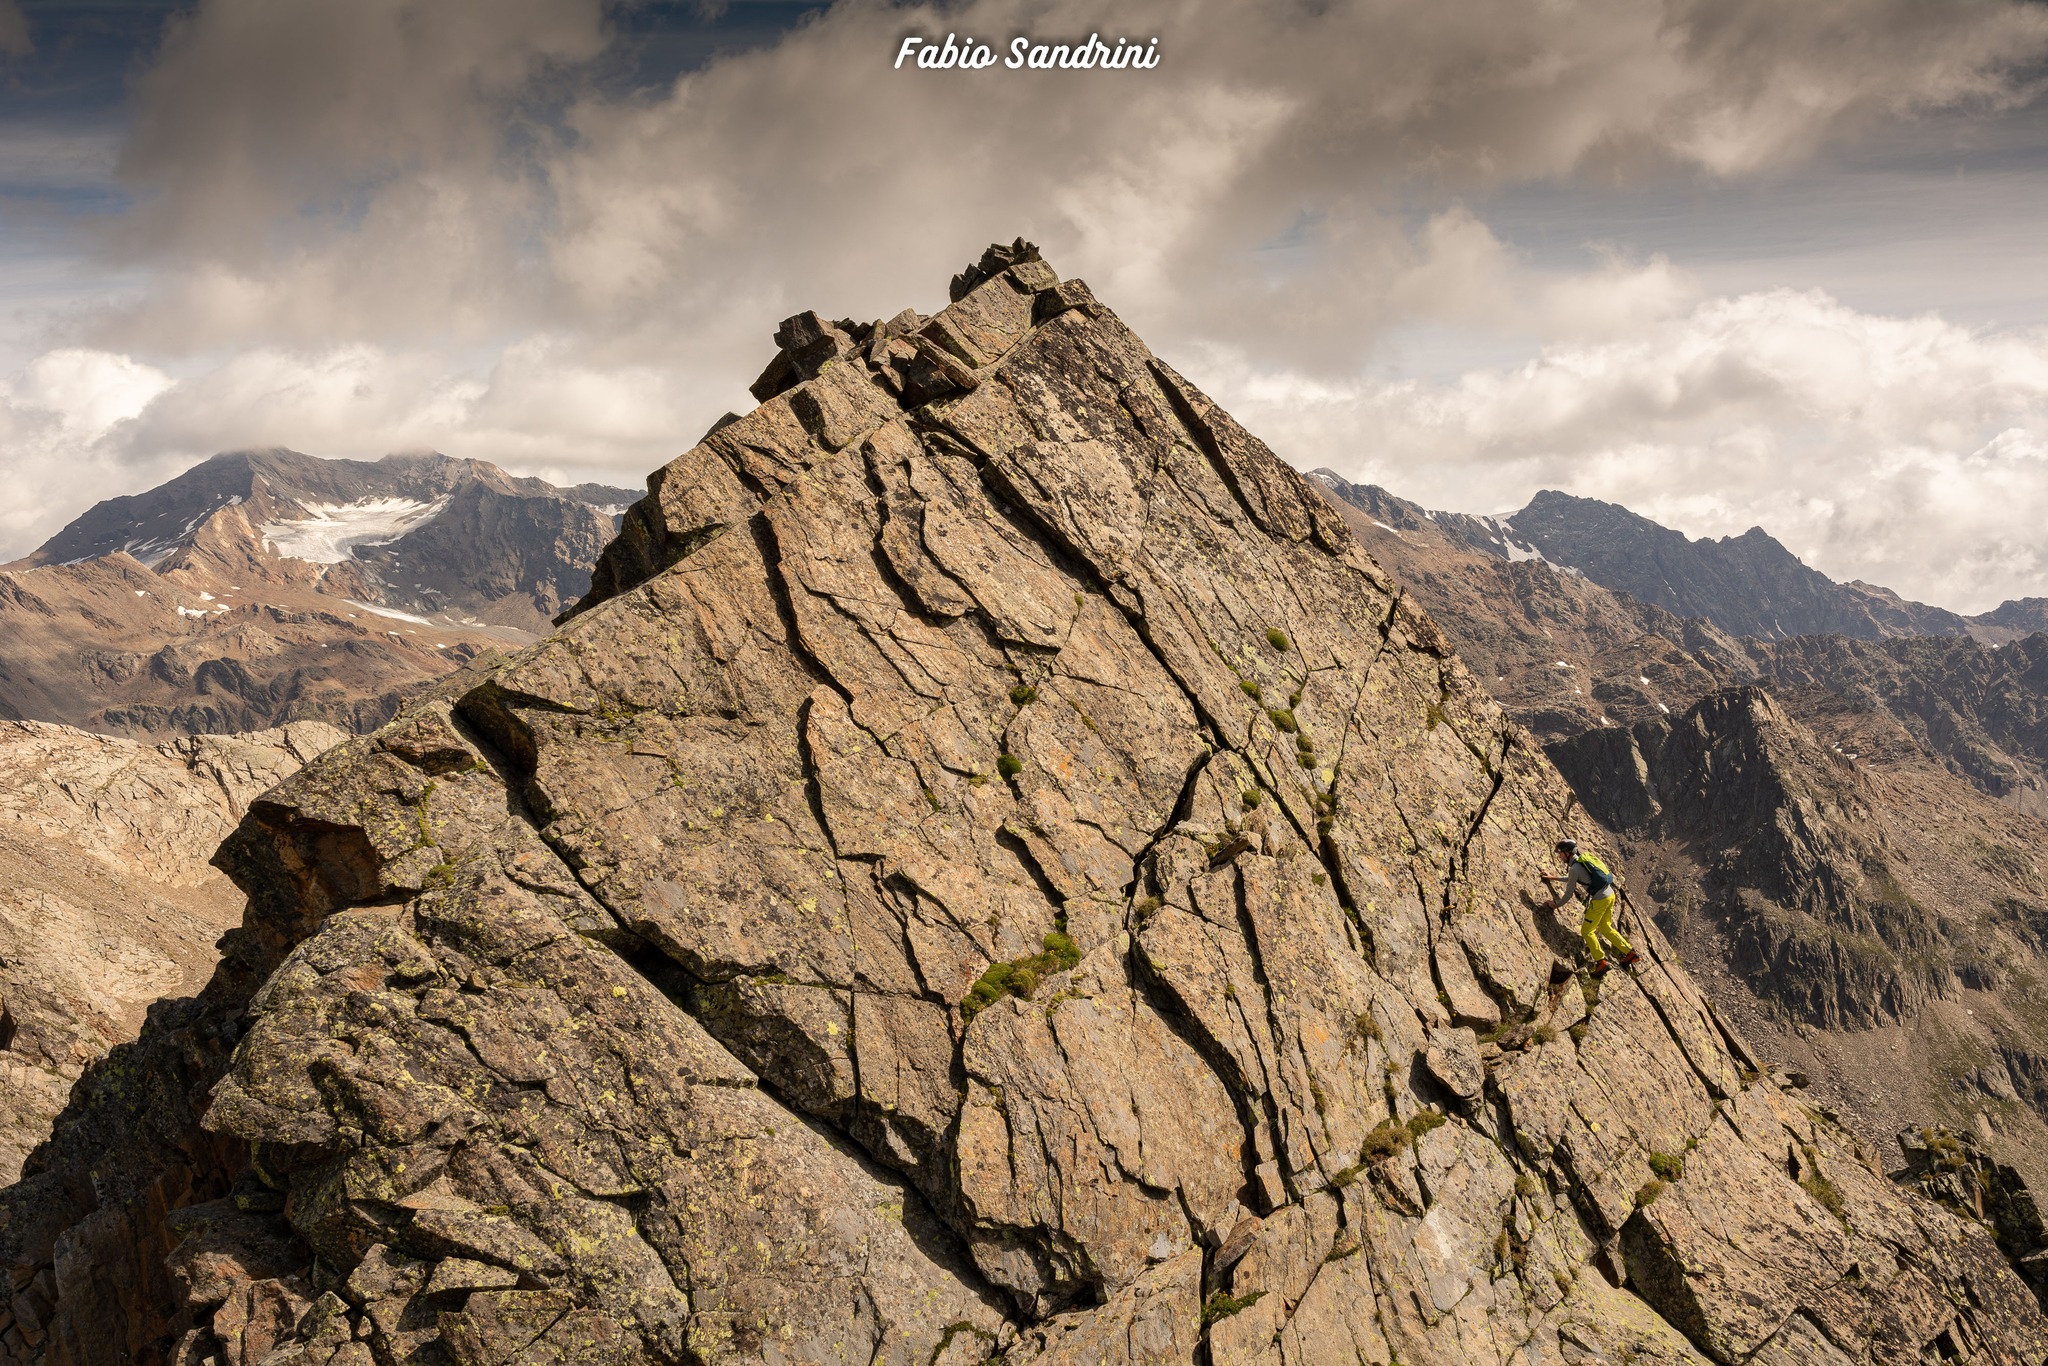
1950 1167
106 900
265 587
992 867
1981 712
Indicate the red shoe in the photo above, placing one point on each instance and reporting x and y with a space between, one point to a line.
1631 958
1600 968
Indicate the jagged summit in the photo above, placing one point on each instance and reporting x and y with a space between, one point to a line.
992 867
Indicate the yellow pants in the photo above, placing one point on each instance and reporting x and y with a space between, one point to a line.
1598 928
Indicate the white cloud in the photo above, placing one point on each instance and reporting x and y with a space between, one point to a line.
391 224
88 391
1908 452
63 419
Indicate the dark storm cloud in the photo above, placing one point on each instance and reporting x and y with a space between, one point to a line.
328 169
14 35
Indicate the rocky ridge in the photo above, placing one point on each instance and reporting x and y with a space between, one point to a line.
1567 651
991 868
106 899
1561 652
1748 585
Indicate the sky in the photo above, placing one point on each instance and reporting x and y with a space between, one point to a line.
1727 262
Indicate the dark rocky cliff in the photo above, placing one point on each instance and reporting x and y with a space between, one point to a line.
992 868
1797 863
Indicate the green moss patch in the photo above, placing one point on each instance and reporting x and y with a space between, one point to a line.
1020 976
1391 1136
1222 1304
1824 1193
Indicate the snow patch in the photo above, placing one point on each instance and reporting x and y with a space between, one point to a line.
1515 550
334 531
387 612
151 553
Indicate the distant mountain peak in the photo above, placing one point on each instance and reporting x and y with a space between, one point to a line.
418 531
266 584
1748 584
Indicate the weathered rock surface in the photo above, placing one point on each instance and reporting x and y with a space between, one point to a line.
991 867
1951 1168
106 899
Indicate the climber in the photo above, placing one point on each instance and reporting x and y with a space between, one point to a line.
1590 880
